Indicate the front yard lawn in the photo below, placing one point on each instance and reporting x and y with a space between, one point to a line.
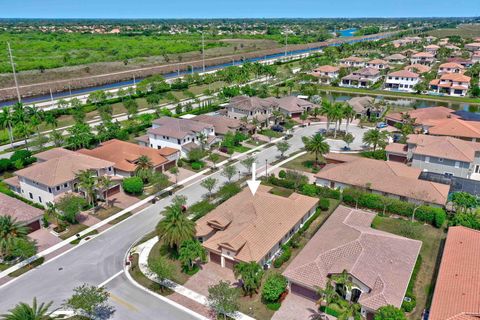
240 149
159 249
282 192
73 229
104 213
270 133
302 163
433 240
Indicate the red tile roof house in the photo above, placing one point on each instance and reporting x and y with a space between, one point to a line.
392 179
125 155
457 289
326 74
424 117
377 64
402 80
251 107
362 78
396 58
451 84
353 62
451 67
475 46
378 263
439 154
26 214
249 228
181 134
55 175
422 58
476 57
432 48
418 68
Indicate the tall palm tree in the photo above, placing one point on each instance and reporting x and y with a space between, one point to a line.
327 110
336 115
175 228
87 182
375 138
6 121
51 120
52 211
103 184
23 311
10 230
143 168
349 113
316 144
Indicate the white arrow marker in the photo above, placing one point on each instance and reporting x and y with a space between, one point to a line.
253 184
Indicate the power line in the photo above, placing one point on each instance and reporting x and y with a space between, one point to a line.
14 73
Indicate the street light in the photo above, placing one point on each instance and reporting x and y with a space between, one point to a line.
266 168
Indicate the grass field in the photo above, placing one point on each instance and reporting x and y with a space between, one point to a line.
432 246
463 30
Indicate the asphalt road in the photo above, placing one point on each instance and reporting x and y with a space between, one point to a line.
103 256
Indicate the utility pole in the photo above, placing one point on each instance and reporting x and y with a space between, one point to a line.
203 51
286 43
14 73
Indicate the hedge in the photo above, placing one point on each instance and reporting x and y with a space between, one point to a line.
324 204
433 215
133 185
306 189
284 257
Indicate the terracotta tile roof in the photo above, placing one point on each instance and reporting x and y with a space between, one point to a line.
423 55
396 56
354 59
403 74
251 103
418 68
57 171
386 176
455 77
444 147
360 104
53 154
457 290
222 124
327 69
294 104
451 65
125 154
144 139
398 148
382 261
177 128
425 116
377 61
456 128
167 151
254 224
432 46
18 209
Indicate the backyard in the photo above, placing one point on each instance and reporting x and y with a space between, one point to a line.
433 241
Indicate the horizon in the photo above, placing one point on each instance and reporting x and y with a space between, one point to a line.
248 9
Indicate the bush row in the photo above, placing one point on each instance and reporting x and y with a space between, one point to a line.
410 305
433 215
306 189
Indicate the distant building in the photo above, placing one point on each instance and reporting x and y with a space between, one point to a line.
326 74
422 58
251 108
451 67
363 78
396 58
452 84
402 80
377 64
353 62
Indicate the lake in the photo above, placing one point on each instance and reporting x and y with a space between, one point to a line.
347 32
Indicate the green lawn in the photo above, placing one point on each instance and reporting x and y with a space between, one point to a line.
282 192
121 218
138 276
302 163
104 213
240 149
27 268
159 249
73 230
433 240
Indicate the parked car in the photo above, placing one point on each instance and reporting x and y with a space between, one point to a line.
277 128
322 131
381 125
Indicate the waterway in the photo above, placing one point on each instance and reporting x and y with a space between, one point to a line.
348 32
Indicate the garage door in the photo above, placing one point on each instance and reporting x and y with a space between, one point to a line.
34 226
113 190
304 292
215 258
229 264
397 158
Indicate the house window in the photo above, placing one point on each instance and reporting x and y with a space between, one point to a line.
440 159
49 189
477 168
40 199
30 195
448 174
66 184
427 159
58 188
457 164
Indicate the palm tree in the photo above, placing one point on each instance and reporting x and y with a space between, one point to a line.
326 110
104 183
375 138
23 311
6 121
10 230
328 294
87 182
51 120
336 114
349 113
52 211
143 168
316 144
202 138
351 312
175 228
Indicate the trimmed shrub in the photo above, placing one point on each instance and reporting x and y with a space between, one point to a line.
284 257
274 286
5 164
379 154
274 306
228 190
309 190
197 165
282 174
324 204
200 209
133 185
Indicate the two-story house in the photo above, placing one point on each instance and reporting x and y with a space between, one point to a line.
55 175
244 107
377 64
452 84
440 154
432 48
422 58
362 78
396 58
402 80
450 67
180 134
475 46
353 62
326 74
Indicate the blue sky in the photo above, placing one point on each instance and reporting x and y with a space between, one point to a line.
235 8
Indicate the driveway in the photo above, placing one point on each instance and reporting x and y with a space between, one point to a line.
122 200
44 239
295 307
210 274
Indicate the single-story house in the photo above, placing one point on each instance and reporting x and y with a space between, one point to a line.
249 228
365 106
392 179
27 215
125 156
396 58
424 117
457 294
418 68
378 264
